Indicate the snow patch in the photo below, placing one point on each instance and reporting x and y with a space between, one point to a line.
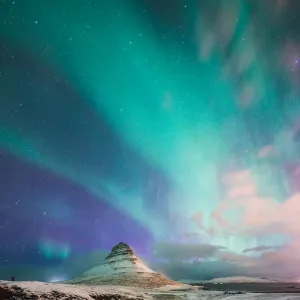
45 290
240 279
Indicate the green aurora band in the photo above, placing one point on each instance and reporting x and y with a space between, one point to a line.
150 99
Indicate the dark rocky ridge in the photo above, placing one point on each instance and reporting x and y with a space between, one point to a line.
120 249
121 252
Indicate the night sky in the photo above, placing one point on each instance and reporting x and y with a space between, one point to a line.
171 125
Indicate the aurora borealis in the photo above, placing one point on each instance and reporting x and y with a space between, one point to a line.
170 125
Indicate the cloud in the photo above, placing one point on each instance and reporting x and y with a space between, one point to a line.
198 271
184 252
281 261
261 233
260 216
182 261
266 151
246 211
198 219
259 249
191 235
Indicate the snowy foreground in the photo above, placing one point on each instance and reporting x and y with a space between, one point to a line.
50 291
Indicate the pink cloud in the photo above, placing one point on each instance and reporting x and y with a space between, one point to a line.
281 263
260 216
198 219
265 151
257 215
264 216
245 190
236 177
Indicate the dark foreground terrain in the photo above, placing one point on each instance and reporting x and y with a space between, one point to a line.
254 287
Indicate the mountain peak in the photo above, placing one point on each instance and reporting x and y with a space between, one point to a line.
122 267
122 245
121 250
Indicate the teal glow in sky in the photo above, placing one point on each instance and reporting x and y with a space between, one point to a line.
181 117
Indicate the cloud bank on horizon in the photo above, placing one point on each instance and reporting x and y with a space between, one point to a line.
171 126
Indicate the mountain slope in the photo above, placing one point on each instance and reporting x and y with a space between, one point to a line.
122 267
120 260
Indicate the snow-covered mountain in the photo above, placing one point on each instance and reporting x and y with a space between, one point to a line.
122 267
121 260
240 279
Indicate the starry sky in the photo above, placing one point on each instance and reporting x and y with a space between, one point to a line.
171 125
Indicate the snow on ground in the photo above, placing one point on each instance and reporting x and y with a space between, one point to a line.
218 295
85 292
64 291
176 288
205 295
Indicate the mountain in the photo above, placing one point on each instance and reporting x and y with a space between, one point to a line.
122 267
239 279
